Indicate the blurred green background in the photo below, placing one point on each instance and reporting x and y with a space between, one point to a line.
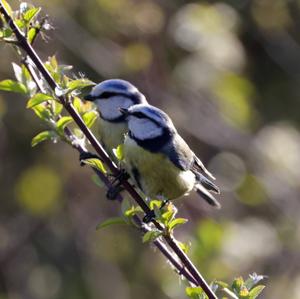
227 72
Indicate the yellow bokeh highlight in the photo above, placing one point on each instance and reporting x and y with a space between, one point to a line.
235 99
106 244
271 14
251 192
137 56
112 6
210 234
149 17
130 16
206 16
38 190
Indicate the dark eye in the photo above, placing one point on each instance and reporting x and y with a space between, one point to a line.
108 94
138 114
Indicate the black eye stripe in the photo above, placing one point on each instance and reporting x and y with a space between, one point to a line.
108 94
139 115
135 98
142 115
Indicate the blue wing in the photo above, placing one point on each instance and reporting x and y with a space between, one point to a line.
184 158
179 153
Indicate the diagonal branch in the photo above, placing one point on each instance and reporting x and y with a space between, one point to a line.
159 244
27 48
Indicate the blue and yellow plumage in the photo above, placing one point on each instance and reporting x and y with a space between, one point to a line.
109 96
155 174
159 160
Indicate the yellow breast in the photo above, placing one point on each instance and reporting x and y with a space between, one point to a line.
111 134
154 173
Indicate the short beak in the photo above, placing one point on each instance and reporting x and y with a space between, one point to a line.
124 111
89 97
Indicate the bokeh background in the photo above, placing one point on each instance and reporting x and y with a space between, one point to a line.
227 72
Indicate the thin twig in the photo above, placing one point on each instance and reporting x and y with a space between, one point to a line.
23 43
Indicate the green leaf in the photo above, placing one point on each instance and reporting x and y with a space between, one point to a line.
89 118
57 107
95 163
79 84
26 77
151 235
53 62
32 34
111 221
45 135
23 76
243 293
42 111
254 293
195 292
184 246
31 13
20 23
155 203
119 152
167 216
77 104
63 122
176 222
133 211
7 6
13 86
6 33
97 181
238 284
125 205
38 99
52 67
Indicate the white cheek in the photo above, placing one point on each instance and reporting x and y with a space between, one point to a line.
143 128
110 108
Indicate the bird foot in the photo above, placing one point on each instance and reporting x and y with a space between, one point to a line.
149 217
113 192
120 177
116 187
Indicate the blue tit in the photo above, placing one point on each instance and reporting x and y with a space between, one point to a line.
159 161
109 96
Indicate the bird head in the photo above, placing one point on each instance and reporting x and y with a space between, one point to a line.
147 122
110 95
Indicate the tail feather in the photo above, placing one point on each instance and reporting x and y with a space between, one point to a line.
204 193
200 165
209 185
